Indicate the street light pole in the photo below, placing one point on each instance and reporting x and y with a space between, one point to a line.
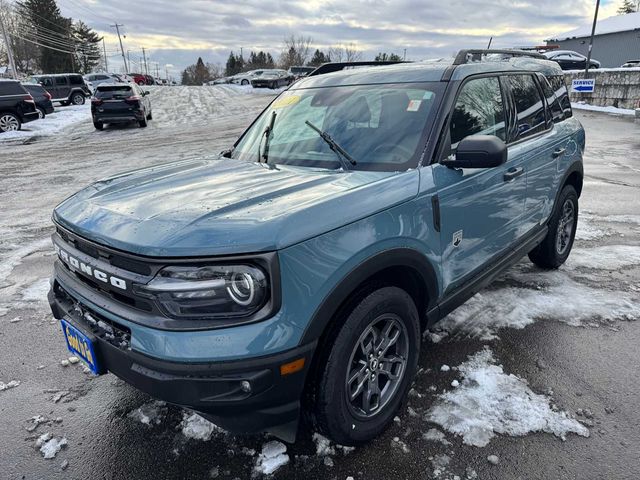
593 33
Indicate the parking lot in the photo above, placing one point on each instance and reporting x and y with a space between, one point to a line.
538 372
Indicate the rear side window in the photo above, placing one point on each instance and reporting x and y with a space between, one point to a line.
113 92
11 88
529 105
479 110
61 80
557 115
560 90
76 79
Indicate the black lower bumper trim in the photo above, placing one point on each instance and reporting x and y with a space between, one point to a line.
213 389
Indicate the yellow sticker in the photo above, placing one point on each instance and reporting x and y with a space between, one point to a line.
286 101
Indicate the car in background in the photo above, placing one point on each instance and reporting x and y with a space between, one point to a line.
272 79
41 97
245 78
95 79
219 81
140 78
299 72
16 106
123 77
570 60
631 64
120 103
66 88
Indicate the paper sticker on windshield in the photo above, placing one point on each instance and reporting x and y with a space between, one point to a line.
427 95
286 101
414 105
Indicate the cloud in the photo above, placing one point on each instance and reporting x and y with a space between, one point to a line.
179 32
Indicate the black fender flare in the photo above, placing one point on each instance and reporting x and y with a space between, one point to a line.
396 257
575 167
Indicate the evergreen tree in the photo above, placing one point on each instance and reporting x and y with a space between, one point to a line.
201 73
627 6
53 34
88 54
230 68
318 58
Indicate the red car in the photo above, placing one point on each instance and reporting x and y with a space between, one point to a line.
139 78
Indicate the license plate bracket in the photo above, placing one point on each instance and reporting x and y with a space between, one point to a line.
81 345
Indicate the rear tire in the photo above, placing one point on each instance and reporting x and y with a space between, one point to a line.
9 122
98 125
554 250
365 377
142 123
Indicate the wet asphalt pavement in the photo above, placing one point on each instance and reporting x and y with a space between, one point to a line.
594 366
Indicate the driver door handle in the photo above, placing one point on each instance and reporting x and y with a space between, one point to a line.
560 151
513 173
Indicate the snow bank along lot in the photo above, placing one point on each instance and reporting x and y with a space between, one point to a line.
535 377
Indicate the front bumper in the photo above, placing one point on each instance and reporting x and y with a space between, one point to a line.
213 389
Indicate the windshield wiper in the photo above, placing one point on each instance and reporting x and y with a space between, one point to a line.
340 152
267 133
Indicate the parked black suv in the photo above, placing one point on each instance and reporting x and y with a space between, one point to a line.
42 98
66 88
120 103
16 106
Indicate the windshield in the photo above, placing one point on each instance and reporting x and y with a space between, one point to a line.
379 126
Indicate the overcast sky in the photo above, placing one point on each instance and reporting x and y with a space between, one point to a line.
176 32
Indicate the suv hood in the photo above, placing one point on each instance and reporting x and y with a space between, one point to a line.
224 206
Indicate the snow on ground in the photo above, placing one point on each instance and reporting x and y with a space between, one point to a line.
490 401
36 292
198 428
7 386
248 89
49 445
273 456
52 124
151 413
534 295
596 108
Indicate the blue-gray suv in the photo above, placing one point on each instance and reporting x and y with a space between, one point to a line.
296 272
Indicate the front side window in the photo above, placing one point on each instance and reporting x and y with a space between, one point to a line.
529 105
479 110
380 126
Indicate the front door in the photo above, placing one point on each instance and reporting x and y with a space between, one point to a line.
480 209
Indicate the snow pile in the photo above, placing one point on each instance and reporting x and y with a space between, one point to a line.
7 386
595 108
14 257
435 435
490 402
53 124
324 447
273 456
198 428
150 413
49 445
249 90
548 295
36 292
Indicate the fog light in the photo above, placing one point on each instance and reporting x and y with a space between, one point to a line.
245 386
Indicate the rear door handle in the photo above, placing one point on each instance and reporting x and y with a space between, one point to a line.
558 152
513 173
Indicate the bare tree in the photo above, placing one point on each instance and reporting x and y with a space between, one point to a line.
295 51
345 53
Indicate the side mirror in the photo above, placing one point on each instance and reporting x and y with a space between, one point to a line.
226 153
478 151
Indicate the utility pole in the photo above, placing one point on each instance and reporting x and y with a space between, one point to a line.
12 63
124 59
157 70
593 33
144 55
166 73
404 56
104 50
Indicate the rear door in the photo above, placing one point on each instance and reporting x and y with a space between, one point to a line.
61 87
481 209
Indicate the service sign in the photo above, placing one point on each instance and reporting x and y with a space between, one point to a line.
587 85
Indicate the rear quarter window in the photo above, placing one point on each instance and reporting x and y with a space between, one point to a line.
562 94
76 80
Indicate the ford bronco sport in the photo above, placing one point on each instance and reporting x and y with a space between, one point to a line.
296 272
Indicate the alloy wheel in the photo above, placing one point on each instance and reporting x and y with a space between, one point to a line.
9 123
565 227
377 366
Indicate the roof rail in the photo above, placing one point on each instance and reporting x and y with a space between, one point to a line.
337 66
466 56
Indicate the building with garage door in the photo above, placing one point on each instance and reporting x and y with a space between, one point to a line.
617 40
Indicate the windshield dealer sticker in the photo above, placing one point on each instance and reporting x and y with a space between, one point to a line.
414 105
457 238
286 101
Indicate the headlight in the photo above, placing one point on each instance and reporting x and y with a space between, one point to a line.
209 291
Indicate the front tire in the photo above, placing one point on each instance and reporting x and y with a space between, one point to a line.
77 99
554 250
244 82
98 125
368 371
